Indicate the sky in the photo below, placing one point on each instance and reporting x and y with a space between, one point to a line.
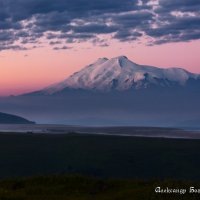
44 41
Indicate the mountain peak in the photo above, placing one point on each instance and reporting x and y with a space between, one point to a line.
100 61
120 58
120 74
123 61
103 59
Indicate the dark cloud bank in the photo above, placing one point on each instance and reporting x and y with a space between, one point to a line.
63 22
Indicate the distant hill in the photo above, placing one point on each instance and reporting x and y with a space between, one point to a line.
13 119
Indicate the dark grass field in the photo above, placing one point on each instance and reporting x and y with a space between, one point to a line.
85 188
23 155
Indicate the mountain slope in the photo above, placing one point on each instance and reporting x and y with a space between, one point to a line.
121 74
13 119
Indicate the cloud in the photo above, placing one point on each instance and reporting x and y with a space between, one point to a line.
12 47
180 5
55 42
62 48
25 22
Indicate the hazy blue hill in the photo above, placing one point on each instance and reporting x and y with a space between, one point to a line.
145 107
13 119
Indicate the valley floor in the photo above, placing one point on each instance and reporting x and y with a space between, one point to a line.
155 132
104 156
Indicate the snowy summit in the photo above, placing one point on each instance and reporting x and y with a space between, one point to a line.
121 74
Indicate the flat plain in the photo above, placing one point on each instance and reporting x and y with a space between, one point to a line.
103 156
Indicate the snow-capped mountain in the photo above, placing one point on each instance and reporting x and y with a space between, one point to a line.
121 74
114 91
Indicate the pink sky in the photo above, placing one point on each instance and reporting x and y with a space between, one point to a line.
44 66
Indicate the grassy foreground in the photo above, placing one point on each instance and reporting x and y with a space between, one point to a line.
84 188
